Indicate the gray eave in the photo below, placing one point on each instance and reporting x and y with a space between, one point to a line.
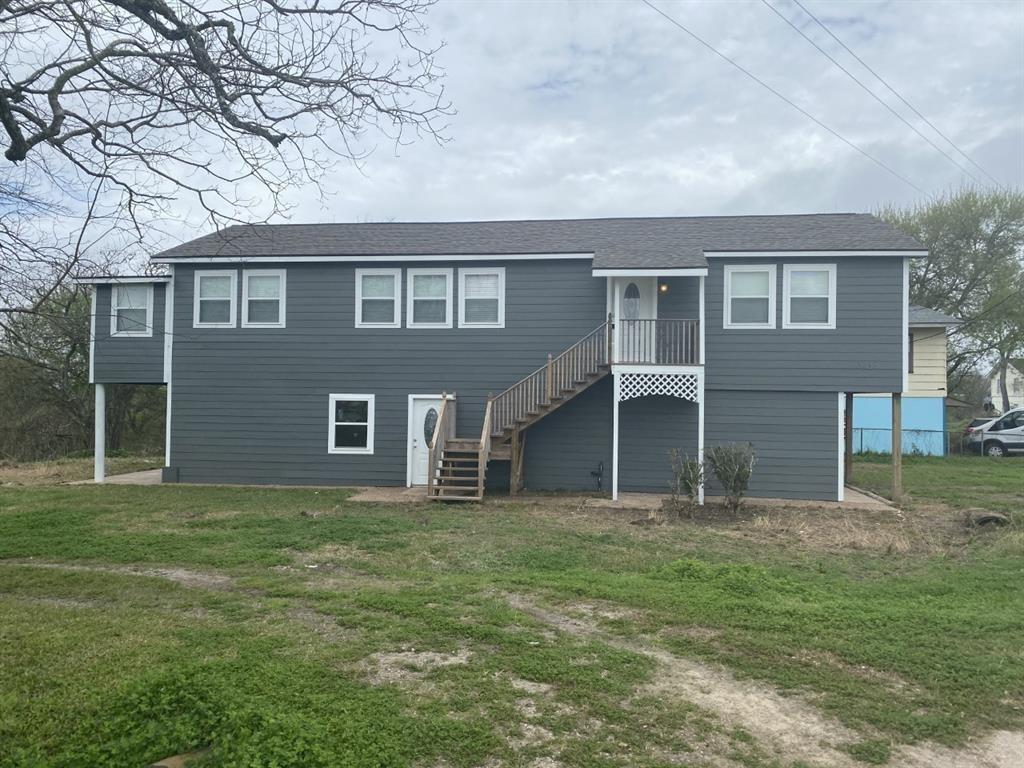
120 279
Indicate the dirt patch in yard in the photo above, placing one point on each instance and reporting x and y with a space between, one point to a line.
410 666
183 576
786 726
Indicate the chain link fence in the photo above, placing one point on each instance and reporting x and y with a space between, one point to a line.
916 442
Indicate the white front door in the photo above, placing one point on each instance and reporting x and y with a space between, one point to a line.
423 414
637 311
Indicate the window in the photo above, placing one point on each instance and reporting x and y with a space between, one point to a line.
351 424
430 298
377 295
214 305
809 296
482 296
749 296
263 298
131 310
631 303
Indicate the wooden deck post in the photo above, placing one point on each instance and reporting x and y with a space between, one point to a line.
551 382
897 447
99 472
514 464
848 437
611 327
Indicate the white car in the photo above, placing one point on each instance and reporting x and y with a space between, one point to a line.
999 436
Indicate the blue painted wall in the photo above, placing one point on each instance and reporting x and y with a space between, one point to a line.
923 425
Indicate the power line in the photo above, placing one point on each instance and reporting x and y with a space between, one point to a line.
897 94
867 90
791 103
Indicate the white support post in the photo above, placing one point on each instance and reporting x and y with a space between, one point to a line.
615 437
702 325
700 426
99 467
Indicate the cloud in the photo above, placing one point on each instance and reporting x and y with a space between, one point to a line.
605 109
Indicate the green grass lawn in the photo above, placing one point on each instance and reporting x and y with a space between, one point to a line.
956 481
299 628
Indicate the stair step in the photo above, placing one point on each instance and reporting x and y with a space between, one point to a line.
445 497
458 460
461 444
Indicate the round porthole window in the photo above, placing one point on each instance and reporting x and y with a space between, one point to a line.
429 425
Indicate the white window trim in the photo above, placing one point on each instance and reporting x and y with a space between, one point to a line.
500 272
331 423
410 274
113 314
396 321
729 269
787 270
281 274
232 311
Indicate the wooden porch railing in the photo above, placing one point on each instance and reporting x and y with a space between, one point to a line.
658 342
524 398
444 430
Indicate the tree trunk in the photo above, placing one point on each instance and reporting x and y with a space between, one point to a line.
1003 365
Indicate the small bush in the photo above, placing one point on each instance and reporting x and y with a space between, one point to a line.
684 488
733 464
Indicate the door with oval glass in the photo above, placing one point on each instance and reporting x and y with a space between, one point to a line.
423 414
637 311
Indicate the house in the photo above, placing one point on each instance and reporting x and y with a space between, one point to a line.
1014 384
561 354
924 401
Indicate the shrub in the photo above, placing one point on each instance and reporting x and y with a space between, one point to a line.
733 464
687 478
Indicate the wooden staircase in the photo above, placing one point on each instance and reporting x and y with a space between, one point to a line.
458 467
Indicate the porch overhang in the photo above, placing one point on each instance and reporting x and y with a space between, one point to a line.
663 272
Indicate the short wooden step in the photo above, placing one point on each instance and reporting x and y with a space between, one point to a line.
459 460
462 445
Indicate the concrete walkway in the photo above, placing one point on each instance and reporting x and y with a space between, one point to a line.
855 499
145 477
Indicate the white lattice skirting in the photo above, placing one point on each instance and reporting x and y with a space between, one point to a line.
682 385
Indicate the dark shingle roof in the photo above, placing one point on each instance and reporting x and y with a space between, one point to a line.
924 316
616 243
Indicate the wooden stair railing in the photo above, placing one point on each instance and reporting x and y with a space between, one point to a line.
443 432
527 399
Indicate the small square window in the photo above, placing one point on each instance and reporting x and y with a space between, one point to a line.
430 298
377 298
749 296
351 424
809 296
482 297
214 305
131 310
263 298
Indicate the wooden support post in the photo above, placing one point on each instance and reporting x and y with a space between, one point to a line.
848 437
897 447
514 469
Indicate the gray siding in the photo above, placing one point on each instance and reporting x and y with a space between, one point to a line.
129 359
795 436
251 405
682 302
563 449
864 353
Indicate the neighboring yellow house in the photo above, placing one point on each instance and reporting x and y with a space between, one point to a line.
924 402
1014 385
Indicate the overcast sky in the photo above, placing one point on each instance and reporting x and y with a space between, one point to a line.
575 109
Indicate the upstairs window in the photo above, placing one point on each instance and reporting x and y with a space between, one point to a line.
749 296
351 424
263 298
482 296
377 298
214 306
809 296
430 298
131 310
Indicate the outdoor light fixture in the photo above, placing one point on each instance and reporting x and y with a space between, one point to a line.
663 288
